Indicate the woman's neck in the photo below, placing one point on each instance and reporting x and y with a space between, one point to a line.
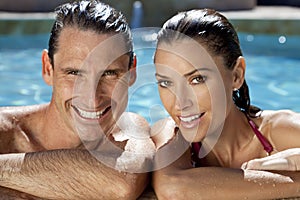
234 140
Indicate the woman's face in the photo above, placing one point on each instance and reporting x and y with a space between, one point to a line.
195 88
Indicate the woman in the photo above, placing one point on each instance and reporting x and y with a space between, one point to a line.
200 73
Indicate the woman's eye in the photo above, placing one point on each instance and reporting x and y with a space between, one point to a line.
164 83
199 79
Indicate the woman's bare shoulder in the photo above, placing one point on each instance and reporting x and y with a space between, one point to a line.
280 117
284 126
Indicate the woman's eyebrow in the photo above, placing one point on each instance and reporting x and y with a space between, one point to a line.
196 70
162 76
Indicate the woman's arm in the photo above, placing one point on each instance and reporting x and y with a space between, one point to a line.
68 174
181 181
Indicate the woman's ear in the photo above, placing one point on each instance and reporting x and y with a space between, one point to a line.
47 68
239 72
132 71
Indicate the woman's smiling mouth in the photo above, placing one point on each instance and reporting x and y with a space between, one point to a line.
190 121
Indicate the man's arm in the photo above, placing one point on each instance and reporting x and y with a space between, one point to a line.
181 181
68 174
9 194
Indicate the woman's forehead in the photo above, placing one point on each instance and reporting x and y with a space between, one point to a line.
188 53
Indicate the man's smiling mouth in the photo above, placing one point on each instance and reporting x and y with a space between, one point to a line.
91 114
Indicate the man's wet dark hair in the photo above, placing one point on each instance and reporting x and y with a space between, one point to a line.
89 15
212 29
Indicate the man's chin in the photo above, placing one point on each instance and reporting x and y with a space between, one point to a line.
91 143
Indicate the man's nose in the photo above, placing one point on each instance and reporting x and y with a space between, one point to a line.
90 91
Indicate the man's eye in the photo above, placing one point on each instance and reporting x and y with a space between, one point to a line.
164 83
73 72
110 73
198 79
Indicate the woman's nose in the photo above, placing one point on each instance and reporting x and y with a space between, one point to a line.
184 97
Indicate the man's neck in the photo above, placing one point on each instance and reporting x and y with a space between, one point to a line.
55 134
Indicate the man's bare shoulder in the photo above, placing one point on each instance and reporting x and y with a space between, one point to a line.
14 127
9 115
130 120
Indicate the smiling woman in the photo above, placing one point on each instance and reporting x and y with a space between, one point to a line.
200 71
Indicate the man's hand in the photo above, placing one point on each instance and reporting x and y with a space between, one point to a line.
288 160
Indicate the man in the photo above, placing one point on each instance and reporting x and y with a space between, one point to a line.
46 149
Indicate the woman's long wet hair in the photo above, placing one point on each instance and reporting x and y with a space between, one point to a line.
214 31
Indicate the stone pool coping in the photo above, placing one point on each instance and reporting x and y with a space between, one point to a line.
261 19
283 20
259 12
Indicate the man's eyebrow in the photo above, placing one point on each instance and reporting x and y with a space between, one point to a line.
68 69
196 70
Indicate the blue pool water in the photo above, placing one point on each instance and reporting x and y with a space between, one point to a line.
273 65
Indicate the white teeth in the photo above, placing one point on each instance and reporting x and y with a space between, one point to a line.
189 119
90 115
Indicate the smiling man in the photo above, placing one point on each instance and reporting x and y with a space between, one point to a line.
70 148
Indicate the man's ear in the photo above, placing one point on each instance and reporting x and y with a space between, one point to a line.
239 72
47 68
132 71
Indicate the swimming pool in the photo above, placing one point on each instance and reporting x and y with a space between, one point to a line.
273 65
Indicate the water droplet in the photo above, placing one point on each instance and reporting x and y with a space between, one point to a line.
282 39
250 38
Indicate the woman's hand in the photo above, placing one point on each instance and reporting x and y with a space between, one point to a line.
288 160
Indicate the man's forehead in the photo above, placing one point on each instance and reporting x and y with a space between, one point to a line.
90 39
120 62
91 46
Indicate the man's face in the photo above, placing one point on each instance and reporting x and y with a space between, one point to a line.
90 81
